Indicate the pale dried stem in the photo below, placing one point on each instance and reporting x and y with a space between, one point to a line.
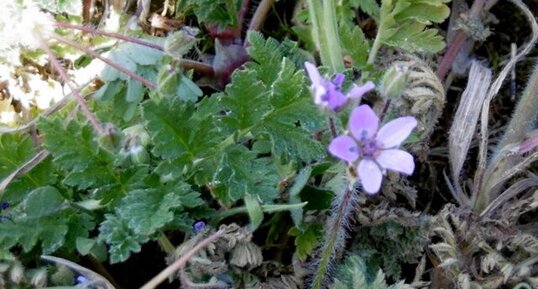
482 196
181 262
508 194
108 62
80 100
465 121
23 169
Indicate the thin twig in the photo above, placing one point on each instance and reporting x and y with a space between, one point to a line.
180 263
81 102
187 64
108 62
91 30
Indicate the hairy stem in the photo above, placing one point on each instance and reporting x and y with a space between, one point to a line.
80 100
91 30
187 64
335 237
108 62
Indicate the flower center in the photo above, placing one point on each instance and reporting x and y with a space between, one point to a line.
369 147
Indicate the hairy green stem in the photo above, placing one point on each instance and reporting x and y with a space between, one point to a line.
520 124
325 33
335 237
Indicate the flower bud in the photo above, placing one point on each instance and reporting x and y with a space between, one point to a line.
138 131
110 139
139 155
180 42
394 82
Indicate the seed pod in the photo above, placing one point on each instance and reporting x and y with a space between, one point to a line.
39 278
16 275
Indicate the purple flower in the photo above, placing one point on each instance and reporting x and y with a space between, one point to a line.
199 226
376 150
329 92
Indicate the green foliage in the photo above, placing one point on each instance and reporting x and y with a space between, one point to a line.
353 274
239 172
392 241
222 12
142 214
306 240
403 24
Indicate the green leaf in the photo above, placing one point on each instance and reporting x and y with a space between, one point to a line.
404 24
239 172
178 132
424 13
116 232
294 198
53 231
187 90
355 44
294 116
245 99
222 12
140 54
135 91
265 56
254 211
43 201
74 149
306 240
412 37
15 150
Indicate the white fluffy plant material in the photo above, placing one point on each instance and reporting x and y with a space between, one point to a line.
22 25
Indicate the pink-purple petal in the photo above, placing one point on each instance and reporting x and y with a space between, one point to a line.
370 175
396 160
344 148
363 122
313 73
396 131
357 92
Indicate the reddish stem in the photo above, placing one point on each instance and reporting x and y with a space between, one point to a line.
108 61
187 64
91 30
457 43
81 102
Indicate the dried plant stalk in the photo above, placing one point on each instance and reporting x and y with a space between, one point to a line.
480 192
465 120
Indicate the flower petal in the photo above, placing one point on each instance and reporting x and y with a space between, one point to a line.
345 148
370 175
335 99
338 79
396 160
313 73
396 131
363 122
357 92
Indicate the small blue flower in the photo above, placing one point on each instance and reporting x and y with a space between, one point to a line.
199 226
329 92
4 205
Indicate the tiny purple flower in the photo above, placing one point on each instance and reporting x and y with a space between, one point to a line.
329 92
377 150
199 226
